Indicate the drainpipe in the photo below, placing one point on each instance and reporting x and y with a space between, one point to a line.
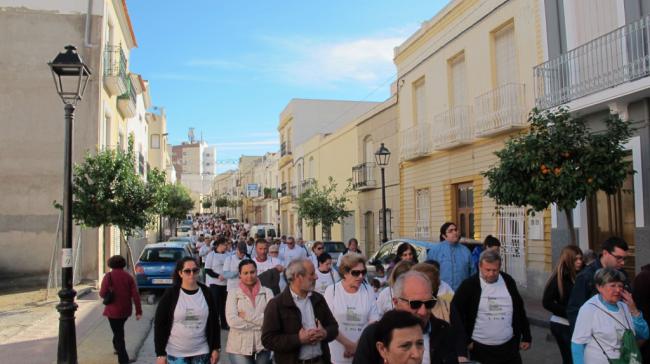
87 43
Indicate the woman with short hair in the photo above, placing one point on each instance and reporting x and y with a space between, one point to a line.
317 249
186 328
353 247
352 303
245 313
125 293
326 276
399 338
605 319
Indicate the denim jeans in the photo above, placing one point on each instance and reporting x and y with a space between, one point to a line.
117 326
198 359
562 334
263 357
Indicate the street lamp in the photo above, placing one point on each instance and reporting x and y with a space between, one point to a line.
382 156
278 214
70 79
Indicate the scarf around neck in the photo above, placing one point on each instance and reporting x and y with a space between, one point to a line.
251 293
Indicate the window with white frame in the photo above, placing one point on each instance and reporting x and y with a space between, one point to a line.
457 73
419 102
505 63
422 214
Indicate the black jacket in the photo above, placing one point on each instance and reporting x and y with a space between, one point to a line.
464 309
283 321
165 318
552 301
584 289
441 344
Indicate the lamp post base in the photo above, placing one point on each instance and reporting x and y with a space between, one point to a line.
67 349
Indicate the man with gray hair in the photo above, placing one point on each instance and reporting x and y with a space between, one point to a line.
488 315
412 292
297 323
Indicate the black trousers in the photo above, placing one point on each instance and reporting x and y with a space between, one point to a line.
117 326
220 294
562 334
507 353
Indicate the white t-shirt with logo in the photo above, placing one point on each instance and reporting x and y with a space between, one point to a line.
325 280
609 333
494 317
187 336
288 255
353 312
269 263
215 261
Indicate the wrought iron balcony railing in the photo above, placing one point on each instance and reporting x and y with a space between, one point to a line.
363 176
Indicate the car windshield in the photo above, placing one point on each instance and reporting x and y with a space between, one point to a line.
334 247
185 228
162 255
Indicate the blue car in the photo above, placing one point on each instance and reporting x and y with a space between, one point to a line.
155 267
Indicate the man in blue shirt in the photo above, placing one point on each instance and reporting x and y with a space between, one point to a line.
455 259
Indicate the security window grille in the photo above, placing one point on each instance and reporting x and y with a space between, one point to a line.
422 214
465 209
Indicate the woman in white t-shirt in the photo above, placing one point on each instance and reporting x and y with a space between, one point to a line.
186 327
326 276
352 303
603 320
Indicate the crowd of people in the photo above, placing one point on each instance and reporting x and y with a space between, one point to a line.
283 302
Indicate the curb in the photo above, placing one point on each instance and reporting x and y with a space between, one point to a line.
84 291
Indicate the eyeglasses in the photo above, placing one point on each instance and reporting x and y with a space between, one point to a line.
416 304
356 273
193 270
618 257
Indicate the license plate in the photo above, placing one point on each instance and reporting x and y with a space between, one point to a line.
162 281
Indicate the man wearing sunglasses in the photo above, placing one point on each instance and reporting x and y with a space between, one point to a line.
488 315
412 293
614 252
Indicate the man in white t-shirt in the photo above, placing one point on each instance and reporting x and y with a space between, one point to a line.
231 266
291 252
489 315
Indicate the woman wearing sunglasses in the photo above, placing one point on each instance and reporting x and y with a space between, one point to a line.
353 305
185 326
316 251
245 313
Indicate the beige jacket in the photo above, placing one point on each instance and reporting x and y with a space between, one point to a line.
245 336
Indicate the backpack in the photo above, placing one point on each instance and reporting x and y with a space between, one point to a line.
630 353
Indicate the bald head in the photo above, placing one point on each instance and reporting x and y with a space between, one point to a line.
413 286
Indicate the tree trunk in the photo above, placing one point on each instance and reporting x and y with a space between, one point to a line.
327 232
572 232
129 254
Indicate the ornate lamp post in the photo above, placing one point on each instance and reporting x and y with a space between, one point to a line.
382 156
71 76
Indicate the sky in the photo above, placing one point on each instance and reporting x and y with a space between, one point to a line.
228 68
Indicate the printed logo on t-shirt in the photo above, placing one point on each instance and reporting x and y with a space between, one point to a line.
191 320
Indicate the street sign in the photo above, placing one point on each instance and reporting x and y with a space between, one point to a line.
252 190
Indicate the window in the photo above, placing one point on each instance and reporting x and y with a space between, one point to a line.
457 77
422 214
419 102
368 149
103 134
155 141
505 63
465 209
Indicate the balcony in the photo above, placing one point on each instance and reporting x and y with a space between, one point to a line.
363 176
453 128
115 76
295 193
306 184
612 59
126 101
416 142
500 110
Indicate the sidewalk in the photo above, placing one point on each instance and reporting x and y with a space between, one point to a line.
29 330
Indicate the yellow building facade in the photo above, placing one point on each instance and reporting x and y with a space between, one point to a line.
465 85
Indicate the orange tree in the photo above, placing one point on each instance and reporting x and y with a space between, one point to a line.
559 160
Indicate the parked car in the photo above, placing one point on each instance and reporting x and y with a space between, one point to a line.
186 240
232 221
388 251
263 231
184 230
333 248
155 266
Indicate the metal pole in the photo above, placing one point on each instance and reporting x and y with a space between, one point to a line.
67 349
384 237
278 217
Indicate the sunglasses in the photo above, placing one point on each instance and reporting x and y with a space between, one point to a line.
416 304
194 270
356 273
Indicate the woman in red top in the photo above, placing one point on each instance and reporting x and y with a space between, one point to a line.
118 311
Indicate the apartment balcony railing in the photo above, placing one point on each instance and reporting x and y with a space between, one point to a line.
363 176
283 189
126 102
416 142
295 193
115 74
453 127
306 184
619 56
501 109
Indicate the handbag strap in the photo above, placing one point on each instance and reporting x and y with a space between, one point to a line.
628 327
609 360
